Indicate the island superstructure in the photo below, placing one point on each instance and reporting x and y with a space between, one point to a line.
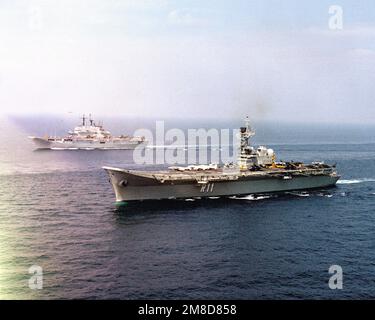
88 135
256 172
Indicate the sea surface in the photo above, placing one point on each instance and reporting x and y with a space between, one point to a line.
57 211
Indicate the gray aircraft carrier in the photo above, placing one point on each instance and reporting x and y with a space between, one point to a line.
256 172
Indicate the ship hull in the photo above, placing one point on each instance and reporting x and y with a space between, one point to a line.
41 143
137 189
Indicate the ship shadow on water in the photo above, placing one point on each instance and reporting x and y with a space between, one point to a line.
174 205
155 206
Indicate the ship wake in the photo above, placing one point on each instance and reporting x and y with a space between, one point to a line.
354 181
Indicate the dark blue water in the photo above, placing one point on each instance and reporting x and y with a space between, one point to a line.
57 211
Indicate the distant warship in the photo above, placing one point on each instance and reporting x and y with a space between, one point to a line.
88 135
256 172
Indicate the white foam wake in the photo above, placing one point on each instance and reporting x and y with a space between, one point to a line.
299 194
251 197
351 181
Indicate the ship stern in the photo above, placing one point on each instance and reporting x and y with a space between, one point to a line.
40 143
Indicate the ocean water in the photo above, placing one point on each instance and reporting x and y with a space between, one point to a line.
57 211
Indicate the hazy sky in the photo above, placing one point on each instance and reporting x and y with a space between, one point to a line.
273 60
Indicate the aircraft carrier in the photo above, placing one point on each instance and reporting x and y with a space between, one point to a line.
256 172
88 136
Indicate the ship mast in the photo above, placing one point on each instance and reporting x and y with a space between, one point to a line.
247 133
245 151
